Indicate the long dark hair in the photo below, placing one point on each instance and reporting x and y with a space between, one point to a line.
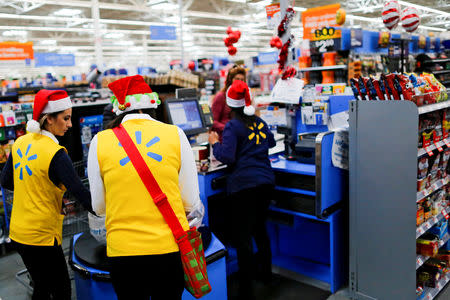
231 74
238 114
118 120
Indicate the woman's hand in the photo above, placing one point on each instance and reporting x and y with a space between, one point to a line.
213 137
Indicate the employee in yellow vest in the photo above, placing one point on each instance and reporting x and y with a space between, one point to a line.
39 171
145 259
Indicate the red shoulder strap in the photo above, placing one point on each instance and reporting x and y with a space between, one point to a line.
150 182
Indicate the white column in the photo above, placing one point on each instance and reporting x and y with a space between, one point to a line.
180 12
98 35
145 50
284 4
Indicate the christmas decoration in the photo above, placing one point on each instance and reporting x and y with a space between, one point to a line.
410 19
290 72
276 42
232 38
284 24
391 14
191 65
283 54
340 16
232 50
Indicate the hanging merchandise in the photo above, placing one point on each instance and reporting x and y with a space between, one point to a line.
410 19
191 65
232 38
384 38
391 14
340 16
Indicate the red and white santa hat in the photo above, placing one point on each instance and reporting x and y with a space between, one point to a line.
132 93
46 102
238 95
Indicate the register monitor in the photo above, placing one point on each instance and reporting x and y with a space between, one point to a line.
186 114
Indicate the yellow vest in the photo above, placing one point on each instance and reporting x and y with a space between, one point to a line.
36 214
134 224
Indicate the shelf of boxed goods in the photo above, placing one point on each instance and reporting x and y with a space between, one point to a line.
431 293
434 187
433 107
421 259
431 222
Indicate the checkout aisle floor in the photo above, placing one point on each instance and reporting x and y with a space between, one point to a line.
281 288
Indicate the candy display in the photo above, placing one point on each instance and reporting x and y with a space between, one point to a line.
421 89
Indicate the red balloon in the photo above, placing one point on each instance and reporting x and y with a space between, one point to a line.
233 37
227 42
238 34
191 65
279 44
229 30
232 50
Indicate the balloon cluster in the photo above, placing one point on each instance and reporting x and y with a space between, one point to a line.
391 16
232 38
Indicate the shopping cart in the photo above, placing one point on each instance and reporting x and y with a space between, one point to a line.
75 220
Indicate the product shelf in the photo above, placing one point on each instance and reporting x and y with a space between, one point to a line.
440 72
90 103
431 293
421 259
433 107
336 67
423 151
434 187
430 223
437 61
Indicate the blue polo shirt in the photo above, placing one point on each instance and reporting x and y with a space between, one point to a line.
246 151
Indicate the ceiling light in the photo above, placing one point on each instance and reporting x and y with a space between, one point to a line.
238 1
261 3
124 43
48 42
67 12
114 35
15 33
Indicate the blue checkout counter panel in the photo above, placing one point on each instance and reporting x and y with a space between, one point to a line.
307 237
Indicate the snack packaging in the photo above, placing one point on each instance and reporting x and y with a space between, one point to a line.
390 78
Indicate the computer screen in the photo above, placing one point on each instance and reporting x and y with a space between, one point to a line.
186 114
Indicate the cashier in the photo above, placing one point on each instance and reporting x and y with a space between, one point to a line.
39 171
245 145
221 111
145 259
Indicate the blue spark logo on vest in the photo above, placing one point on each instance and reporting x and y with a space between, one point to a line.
24 165
138 135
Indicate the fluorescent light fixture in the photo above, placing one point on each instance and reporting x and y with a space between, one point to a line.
124 43
67 12
238 1
114 35
297 8
48 42
15 33
261 3
188 44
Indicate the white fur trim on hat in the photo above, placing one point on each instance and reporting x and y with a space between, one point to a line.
235 103
146 102
33 126
57 105
249 110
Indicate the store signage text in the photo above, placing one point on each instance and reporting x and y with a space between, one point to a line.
16 51
320 17
54 60
168 33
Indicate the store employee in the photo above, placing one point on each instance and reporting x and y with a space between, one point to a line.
138 237
39 171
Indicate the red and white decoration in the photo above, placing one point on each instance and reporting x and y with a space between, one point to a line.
391 14
232 38
410 19
46 102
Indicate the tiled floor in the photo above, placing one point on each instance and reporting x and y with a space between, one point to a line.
282 288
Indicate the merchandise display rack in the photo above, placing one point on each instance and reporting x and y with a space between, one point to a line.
336 67
394 168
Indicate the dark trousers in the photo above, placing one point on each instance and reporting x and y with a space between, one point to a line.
249 211
48 270
141 277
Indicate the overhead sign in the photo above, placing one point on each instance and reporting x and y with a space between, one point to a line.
16 51
163 33
317 18
273 15
267 58
54 60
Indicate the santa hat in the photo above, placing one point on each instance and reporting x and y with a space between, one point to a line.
46 102
131 93
238 95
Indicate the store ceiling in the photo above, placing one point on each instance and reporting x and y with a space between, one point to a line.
125 24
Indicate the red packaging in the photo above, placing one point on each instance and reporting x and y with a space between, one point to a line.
407 87
376 85
390 82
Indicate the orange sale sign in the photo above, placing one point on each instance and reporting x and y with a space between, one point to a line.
317 18
16 51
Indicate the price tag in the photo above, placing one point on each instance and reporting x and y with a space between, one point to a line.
438 285
445 214
447 143
429 151
419 261
436 185
421 230
429 297
438 146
